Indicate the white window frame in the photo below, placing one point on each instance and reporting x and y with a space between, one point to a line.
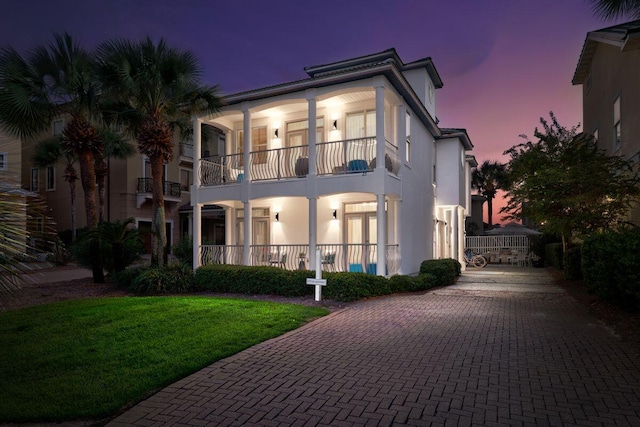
4 161
57 130
407 131
50 184
35 180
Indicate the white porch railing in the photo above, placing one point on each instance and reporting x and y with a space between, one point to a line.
339 257
496 244
332 158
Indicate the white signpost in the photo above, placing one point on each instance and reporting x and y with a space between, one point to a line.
318 282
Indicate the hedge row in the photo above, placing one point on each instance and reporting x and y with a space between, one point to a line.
611 266
277 281
553 255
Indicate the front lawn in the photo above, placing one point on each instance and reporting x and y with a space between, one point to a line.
86 359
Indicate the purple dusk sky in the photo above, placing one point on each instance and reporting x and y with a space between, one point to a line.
504 64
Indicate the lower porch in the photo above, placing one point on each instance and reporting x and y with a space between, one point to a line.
355 258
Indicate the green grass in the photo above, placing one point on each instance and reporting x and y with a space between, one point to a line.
87 359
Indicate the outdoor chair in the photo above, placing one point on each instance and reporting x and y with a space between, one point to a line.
282 262
330 261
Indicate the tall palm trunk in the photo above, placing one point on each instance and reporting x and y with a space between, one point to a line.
87 178
490 212
158 230
101 175
71 176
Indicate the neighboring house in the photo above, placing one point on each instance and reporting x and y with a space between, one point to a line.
374 183
609 72
128 187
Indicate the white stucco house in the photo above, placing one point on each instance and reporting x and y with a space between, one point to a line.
284 192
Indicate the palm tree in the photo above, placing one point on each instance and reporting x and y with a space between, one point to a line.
115 146
612 9
153 90
49 152
56 79
488 179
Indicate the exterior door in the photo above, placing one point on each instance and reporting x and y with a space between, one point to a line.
361 238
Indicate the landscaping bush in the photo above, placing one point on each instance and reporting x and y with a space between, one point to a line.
611 266
553 255
120 245
421 282
253 280
124 279
183 250
169 279
444 270
572 262
60 255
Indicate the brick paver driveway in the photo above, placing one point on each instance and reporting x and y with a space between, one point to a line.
501 347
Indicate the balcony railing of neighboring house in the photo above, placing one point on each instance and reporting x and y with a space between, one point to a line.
339 257
186 149
171 189
332 158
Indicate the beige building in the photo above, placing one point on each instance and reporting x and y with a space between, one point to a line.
128 186
609 72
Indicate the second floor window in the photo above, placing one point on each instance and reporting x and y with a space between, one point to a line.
51 178
35 179
361 125
258 143
58 127
408 134
185 179
617 135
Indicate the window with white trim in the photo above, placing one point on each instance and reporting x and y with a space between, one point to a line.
51 178
58 127
35 179
3 161
258 143
361 125
617 136
407 128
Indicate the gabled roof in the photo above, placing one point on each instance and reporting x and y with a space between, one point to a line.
457 133
625 36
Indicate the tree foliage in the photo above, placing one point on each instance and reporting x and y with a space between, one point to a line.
488 178
566 183
612 9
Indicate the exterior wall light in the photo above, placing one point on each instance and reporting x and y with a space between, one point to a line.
275 133
277 216
335 125
335 214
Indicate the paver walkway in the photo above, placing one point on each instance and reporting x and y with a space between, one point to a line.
501 347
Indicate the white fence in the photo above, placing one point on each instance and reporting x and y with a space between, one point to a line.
498 244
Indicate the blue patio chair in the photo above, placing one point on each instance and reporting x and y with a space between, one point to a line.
355 166
355 268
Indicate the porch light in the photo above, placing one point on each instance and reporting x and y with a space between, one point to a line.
335 125
277 216
335 214
275 133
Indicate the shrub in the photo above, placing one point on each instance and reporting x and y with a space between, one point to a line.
120 245
183 250
611 266
125 278
421 282
572 263
60 255
444 270
553 255
353 286
172 278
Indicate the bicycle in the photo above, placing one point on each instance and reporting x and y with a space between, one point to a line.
477 261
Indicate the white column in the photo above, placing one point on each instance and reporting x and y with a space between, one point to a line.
197 234
454 232
381 219
313 231
380 139
197 147
461 236
197 213
246 125
311 101
246 258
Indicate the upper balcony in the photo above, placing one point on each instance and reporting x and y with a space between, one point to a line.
144 192
332 158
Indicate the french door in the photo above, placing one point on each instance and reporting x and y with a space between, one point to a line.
361 237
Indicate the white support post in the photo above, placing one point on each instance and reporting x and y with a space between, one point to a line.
197 234
461 236
313 231
311 101
246 147
246 258
380 138
197 213
381 218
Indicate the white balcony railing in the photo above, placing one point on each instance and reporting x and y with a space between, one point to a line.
361 258
332 158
